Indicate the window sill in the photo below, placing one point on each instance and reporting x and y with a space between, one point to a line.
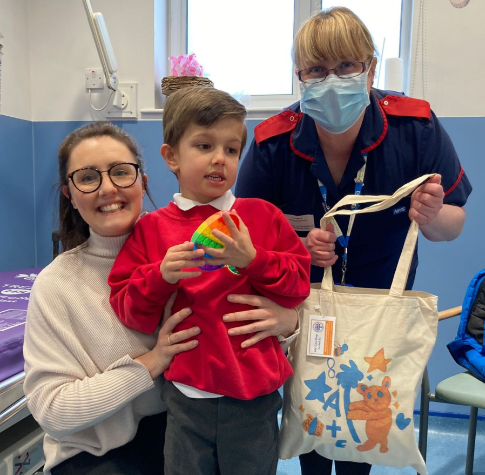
256 113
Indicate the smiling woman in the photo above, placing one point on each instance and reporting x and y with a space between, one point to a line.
105 202
98 402
83 158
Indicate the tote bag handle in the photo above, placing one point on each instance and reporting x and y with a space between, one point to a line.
381 203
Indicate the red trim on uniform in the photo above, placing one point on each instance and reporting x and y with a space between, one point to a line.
297 152
276 125
383 134
456 183
406 107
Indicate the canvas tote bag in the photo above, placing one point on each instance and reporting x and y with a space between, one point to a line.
357 405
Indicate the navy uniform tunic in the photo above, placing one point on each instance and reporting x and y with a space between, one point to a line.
403 140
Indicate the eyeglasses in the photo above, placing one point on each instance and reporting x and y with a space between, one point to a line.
345 70
88 179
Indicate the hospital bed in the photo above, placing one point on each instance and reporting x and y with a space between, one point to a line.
20 440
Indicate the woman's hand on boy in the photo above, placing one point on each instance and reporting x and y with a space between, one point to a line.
238 250
178 258
168 343
268 319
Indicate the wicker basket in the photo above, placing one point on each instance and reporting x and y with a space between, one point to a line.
174 83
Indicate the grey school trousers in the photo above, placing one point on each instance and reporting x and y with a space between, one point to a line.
220 436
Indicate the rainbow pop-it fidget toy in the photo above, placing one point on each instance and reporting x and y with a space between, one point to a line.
203 235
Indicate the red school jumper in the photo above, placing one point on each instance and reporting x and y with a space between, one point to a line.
218 364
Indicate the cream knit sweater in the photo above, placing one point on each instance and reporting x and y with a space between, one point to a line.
82 385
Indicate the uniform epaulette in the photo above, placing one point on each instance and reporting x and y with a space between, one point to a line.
276 125
406 107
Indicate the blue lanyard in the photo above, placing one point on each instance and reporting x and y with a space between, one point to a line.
344 240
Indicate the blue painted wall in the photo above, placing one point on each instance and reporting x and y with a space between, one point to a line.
17 195
445 268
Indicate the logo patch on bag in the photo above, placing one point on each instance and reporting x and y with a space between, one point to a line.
321 336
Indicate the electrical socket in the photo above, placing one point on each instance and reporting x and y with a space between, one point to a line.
125 102
94 78
120 99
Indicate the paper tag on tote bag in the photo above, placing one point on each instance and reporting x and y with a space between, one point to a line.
321 336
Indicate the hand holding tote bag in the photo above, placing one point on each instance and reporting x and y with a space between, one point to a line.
357 405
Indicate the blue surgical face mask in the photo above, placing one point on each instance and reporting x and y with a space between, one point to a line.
335 104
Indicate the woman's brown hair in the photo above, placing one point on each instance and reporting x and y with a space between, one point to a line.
73 230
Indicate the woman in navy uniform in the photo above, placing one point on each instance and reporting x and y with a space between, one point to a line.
346 137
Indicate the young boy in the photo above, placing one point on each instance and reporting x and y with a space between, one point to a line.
222 399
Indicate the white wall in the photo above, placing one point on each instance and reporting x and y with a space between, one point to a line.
160 48
451 72
62 48
50 42
14 26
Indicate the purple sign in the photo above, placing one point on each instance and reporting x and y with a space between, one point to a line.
15 287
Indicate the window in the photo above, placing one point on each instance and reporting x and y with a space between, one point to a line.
245 47
240 51
383 19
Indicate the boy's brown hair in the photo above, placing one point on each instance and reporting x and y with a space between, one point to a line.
203 106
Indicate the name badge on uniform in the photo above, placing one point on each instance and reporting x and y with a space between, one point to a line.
304 223
321 336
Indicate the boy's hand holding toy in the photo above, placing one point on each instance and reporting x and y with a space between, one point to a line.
222 239
178 258
226 241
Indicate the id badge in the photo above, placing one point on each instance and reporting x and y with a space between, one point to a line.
321 336
304 223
